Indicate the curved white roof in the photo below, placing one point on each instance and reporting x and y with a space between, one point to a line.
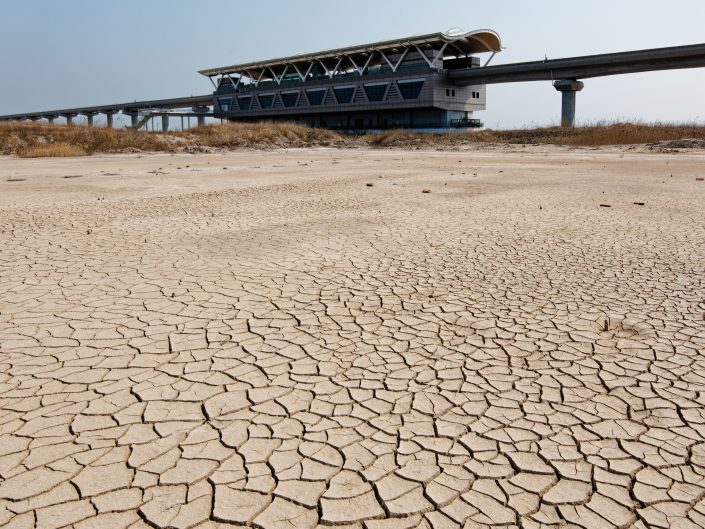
454 43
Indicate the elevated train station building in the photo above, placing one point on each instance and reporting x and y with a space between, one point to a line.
435 81
402 83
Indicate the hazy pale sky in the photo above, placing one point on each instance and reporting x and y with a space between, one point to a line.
59 54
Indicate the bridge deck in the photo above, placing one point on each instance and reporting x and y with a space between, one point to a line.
131 107
671 58
677 57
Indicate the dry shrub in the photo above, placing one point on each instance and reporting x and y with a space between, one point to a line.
690 135
591 135
393 138
18 138
27 139
604 133
401 139
53 150
631 134
264 136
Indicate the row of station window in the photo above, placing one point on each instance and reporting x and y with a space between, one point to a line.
316 96
450 92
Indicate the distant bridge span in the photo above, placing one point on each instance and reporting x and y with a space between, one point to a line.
198 104
566 75
584 67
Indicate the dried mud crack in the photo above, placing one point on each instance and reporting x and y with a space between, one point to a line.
268 340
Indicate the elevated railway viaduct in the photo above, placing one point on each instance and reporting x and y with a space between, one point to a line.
566 74
424 81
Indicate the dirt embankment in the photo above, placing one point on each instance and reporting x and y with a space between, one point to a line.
40 140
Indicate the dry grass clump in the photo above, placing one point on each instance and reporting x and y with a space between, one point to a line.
605 134
394 138
21 138
37 139
264 136
593 135
18 138
399 139
632 134
53 150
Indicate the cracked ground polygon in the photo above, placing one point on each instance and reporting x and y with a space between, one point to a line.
262 339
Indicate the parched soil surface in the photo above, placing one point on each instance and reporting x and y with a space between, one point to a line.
295 339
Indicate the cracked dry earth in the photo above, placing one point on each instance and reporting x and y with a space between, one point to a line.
262 339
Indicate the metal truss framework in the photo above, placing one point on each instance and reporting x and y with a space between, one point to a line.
343 65
358 59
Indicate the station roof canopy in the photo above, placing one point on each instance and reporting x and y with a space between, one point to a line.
453 43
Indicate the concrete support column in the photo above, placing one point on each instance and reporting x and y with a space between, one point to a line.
109 119
200 120
69 120
134 119
89 119
165 123
50 119
568 88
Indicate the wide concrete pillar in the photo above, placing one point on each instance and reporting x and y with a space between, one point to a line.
165 123
134 119
109 119
201 119
69 120
568 89
51 119
89 119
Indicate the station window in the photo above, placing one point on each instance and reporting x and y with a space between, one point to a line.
375 92
225 103
245 102
410 89
266 100
315 96
343 94
290 98
452 93
447 92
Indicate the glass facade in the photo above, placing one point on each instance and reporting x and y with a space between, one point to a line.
245 102
344 94
405 101
315 96
406 89
375 92
290 98
266 100
225 104
410 89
